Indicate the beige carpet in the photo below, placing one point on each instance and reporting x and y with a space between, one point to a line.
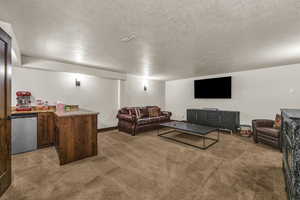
149 167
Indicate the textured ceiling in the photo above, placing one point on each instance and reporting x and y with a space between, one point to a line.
166 39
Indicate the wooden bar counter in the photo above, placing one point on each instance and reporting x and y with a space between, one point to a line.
75 135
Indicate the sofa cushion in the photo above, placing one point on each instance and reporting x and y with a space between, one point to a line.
273 132
148 120
164 118
144 112
142 121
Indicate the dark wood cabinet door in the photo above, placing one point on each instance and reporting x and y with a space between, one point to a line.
50 128
5 106
76 137
46 130
5 155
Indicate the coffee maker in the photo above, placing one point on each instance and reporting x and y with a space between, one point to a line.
23 101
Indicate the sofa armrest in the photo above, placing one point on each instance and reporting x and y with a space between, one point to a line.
166 113
263 123
129 118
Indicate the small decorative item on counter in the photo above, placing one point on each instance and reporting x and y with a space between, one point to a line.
67 108
60 107
39 101
39 104
46 107
74 107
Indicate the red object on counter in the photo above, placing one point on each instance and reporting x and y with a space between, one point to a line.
23 101
24 109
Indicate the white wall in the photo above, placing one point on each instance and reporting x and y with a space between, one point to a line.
133 94
95 93
256 94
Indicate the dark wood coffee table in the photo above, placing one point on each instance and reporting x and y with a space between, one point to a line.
190 129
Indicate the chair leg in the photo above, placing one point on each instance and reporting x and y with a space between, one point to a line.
255 139
133 133
280 148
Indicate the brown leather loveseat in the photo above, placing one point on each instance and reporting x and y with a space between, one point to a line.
137 119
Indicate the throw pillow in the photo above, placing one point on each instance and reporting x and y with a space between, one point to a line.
135 111
131 111
277 123
144 112
153 112
138 113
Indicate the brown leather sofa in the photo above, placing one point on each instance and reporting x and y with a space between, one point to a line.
136 119
264 132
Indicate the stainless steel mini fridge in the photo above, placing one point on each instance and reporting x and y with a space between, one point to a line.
24 133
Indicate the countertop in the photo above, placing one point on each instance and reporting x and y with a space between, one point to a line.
76 113
36 109
32 111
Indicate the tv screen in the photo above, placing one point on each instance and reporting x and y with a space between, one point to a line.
214 88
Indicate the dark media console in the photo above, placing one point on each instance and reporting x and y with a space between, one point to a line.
229 120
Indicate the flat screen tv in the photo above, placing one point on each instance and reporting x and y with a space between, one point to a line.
214 88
